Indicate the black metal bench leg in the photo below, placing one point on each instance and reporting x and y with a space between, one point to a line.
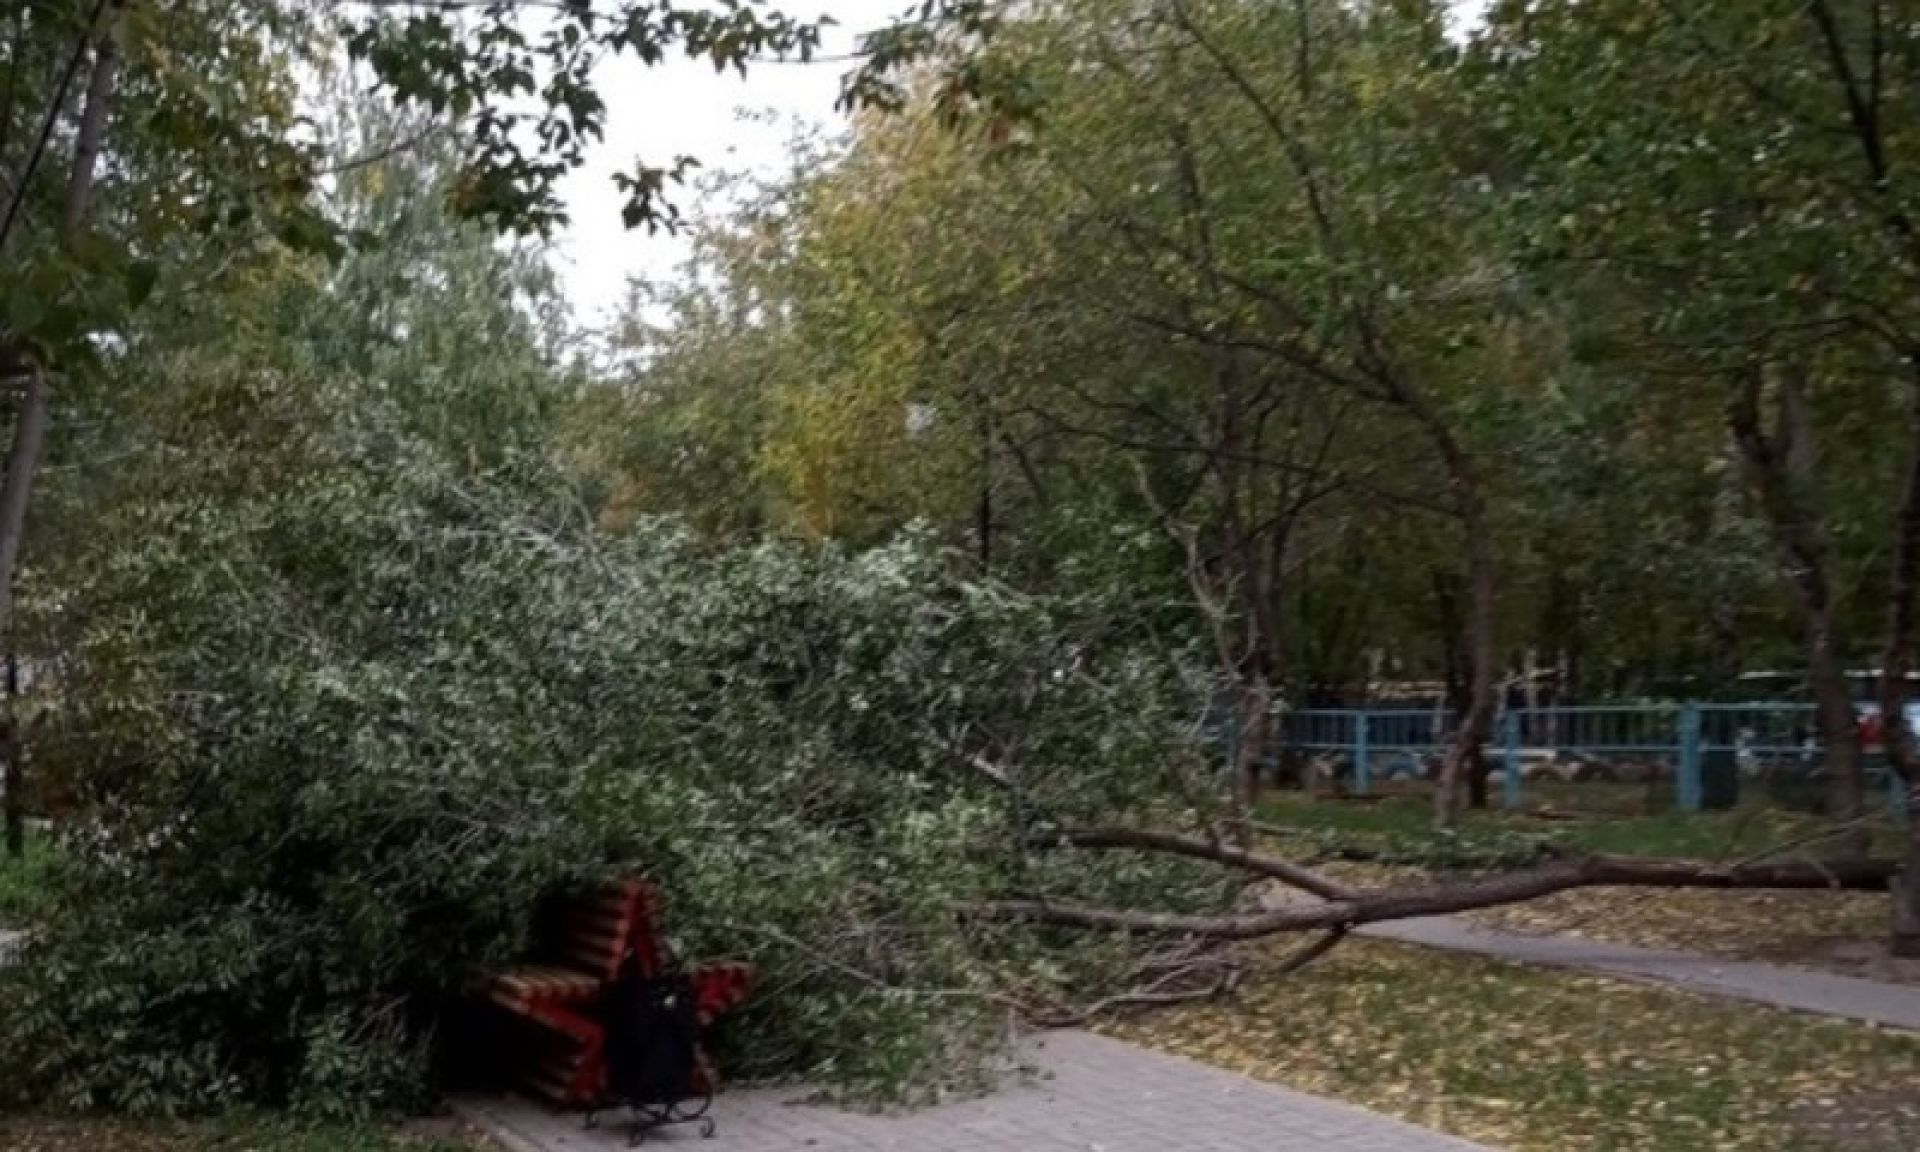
647 1119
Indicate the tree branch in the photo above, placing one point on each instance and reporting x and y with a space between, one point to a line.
1193 847
92 129
55 103
1376 905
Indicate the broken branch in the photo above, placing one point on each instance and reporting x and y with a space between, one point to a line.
1375 905
1175 844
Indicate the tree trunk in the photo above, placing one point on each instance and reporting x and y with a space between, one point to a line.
1896 653
1469 506
1478 770
1839 731
983 497
1905 938
91 132
1477 723
30 422
1896 661
1846 802
1453 678
1250 750
1779 469
16 773
23 458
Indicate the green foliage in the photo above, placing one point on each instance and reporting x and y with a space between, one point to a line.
1711 190
26 880
1143 223
1398 830
481 67
203 137
1126 323
337 727
349 675
199 113
378 613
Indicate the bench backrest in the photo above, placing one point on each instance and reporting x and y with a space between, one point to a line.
591 932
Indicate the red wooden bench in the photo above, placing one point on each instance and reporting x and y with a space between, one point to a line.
585 939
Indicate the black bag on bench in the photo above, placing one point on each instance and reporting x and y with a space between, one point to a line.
653 1035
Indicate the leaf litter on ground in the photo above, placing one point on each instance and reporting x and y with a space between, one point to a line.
1530 1060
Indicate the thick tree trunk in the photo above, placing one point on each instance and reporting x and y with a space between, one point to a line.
1779 469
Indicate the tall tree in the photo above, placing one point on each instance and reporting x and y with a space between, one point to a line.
190 108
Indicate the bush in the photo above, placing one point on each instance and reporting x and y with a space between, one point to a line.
338 729
26 880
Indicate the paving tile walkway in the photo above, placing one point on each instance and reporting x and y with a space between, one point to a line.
1094 1095
1894 1005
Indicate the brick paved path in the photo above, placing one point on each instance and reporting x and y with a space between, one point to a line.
1101 1096
1799 989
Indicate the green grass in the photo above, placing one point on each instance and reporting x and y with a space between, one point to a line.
233 1134
1530 1059
1399 829
24 881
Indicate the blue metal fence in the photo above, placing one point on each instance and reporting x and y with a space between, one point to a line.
1678 744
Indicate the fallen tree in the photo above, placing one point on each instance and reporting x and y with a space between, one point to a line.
1342 907
325 779
1193 956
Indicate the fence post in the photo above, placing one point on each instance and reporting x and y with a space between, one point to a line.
1688 783
1361 773
1510 777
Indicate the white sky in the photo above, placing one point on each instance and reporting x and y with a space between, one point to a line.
683 108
